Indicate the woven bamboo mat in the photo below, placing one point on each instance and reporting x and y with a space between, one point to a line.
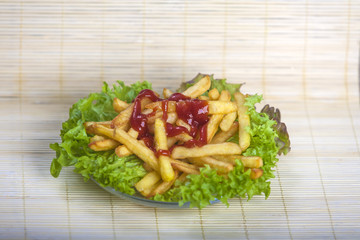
302 55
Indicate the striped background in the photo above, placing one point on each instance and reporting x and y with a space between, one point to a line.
302 55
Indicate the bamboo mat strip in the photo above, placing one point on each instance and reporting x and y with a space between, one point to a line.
302 55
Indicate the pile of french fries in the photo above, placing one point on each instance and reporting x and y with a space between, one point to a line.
226 118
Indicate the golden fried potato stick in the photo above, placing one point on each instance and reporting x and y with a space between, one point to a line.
244 121
185 167
148 183
247 161
103 145
223 136
219 107
183 177
226 148
198 88
122 120
166 170
221 167
97 138
227 121
172 117
167 93
214 94
164 186
214 121
135 146
106 124
182 123
119 105
206 98
256 173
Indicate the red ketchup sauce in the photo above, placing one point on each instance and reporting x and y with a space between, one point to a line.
192 111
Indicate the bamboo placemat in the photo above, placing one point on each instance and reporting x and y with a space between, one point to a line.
302 55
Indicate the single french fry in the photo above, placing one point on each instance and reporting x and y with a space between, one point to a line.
244 121
96 138
135 146
213 125
167 93
185 167
106 124
132 132
171 141
221 167
223 136
103 145
214 94
119 105
166 170
164 186
227 121
148 183
184 137
172 117
122 120
181 123
122 151
247 161
256 173
198 88
206 98
226 148
219 107
183 177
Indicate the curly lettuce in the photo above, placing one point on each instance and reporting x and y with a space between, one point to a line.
104 167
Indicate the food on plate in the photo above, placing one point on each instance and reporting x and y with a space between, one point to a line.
204 142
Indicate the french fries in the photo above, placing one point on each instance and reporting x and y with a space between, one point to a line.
222 136
215 119
247 161
167 93
214 94
198 88
166 170
103 145
244 121
148 183
119 105
164 186
221 167
131 143
226 148
168 158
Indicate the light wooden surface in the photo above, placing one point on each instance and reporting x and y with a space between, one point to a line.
302 55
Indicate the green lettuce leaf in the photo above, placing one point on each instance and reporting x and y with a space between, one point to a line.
104 167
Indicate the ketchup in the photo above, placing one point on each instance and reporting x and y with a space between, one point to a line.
162 152
193 111
138 120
